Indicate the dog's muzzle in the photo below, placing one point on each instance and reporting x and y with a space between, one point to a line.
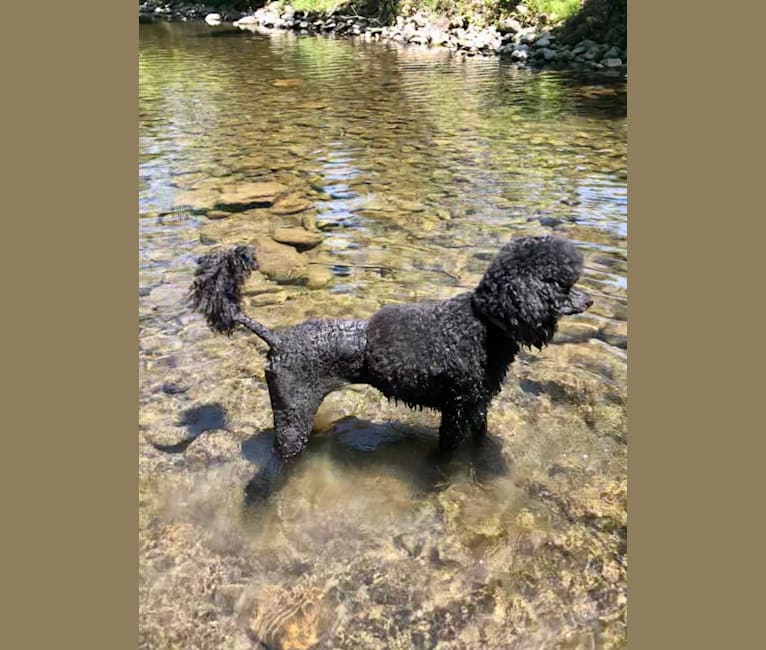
576 302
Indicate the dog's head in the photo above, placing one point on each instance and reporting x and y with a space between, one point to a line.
529 286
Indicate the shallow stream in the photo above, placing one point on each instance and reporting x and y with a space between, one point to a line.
415 166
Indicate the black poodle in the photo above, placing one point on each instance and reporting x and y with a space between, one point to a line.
451 355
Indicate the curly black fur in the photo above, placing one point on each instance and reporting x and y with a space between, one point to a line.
451 355
217 289
528 287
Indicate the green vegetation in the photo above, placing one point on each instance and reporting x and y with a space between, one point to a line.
239 5
603 21
555 9
313 6
479 12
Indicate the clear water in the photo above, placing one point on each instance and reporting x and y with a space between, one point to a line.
417 167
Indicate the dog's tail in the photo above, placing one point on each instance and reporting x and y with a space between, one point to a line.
216 292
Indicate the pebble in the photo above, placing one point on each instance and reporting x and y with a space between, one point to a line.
548 54
318 277
520 52
267 298
217 214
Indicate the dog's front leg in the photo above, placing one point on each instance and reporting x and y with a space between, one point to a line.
457 421
476 417
453 428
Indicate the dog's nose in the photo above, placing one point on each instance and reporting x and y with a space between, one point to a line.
588 302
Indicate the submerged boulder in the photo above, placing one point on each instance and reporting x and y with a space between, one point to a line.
318 277
279 262
290 205
298 237
241 197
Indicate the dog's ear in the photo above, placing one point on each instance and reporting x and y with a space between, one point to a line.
524 286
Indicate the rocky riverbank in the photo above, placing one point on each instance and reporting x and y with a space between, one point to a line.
522 37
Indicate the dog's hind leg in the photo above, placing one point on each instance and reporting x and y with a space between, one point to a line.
294 404
292 428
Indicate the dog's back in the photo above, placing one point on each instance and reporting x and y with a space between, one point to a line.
323 351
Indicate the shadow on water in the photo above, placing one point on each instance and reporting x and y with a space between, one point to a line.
390 449
196 420
412 451
205 417
228 32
